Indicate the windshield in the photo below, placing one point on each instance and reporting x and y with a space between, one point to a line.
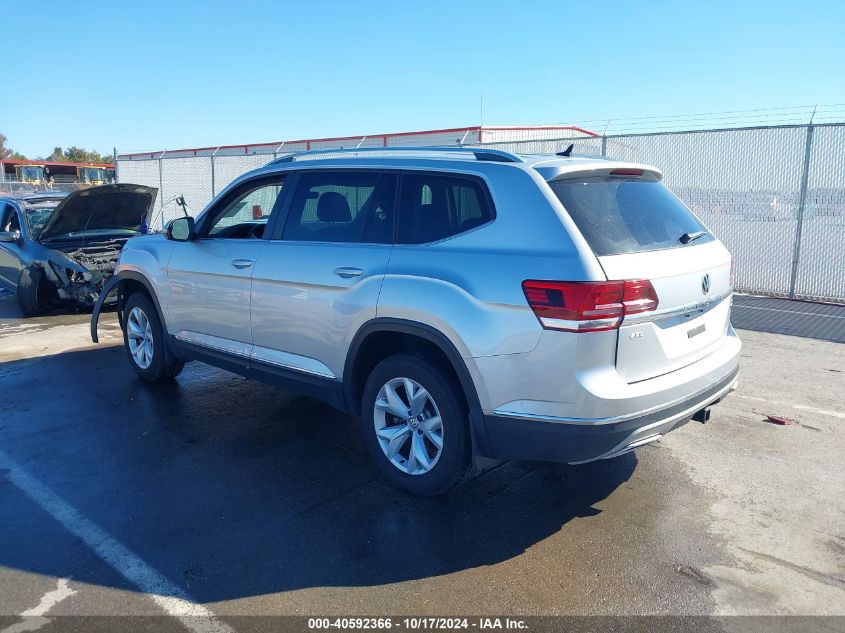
618 215
93 174
36 217
30 173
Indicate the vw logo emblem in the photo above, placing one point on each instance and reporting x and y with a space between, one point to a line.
705 284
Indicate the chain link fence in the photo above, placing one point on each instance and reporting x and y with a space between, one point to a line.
16 188
774 195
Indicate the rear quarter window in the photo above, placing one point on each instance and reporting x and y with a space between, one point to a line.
618 215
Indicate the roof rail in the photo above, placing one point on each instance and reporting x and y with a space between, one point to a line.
491 155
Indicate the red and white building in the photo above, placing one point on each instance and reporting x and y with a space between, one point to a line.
472 135
199 173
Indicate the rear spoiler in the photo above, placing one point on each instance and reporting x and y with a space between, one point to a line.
601 169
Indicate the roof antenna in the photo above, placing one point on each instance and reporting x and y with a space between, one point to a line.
567 152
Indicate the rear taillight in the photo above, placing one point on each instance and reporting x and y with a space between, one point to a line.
588 306
639 296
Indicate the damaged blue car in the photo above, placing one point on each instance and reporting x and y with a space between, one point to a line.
59 249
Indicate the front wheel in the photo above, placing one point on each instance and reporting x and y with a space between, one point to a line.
415 425
36 293
143 338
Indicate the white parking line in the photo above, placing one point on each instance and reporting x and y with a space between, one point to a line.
802 407
824 316
172 599
35 616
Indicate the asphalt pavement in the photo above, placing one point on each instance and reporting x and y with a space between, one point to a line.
219 497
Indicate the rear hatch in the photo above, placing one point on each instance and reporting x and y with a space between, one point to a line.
639 230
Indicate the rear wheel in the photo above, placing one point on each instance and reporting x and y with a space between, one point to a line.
415 425
143 338
36 293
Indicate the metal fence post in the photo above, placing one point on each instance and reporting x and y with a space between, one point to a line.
161 188
213 187
604 145
802 200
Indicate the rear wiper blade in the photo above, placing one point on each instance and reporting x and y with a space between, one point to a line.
686 238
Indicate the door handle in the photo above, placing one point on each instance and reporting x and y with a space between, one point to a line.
347 273
242 263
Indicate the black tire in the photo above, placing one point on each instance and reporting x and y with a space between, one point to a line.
36 294
159 369
455 459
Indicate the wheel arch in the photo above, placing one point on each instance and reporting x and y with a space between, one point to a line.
367 349
125 282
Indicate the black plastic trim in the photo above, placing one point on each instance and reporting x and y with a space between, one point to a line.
514 438
116 282
494 158
328 390
404 326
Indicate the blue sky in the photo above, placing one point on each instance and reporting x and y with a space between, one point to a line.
168 74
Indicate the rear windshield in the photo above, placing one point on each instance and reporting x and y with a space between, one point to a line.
618 215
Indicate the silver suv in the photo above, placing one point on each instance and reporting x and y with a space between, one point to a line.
467 304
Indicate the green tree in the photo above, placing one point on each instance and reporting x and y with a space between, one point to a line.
76 154
72 154
5 152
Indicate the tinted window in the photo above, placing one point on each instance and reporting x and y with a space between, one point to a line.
619 215
435 207
343 207
247 215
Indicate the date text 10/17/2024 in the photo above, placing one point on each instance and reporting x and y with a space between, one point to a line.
418 623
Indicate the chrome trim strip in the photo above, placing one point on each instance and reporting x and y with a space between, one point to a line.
690 308
286 360
251 352
629 443
218 344
553 419
577 326
633 445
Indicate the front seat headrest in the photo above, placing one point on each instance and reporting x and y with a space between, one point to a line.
333 207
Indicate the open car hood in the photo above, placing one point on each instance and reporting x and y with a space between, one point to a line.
121 206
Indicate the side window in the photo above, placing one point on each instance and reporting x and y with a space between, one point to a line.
343 207
246 216
9 220
434 207
14 220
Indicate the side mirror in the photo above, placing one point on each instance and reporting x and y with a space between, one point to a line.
181 229
10 236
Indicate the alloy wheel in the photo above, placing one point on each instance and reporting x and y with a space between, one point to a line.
408 426
139 334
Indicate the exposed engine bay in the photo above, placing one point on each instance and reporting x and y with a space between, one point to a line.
63 248
98 259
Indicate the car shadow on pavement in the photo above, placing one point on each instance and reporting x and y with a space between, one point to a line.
231 488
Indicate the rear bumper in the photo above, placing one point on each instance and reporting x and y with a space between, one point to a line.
565 440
